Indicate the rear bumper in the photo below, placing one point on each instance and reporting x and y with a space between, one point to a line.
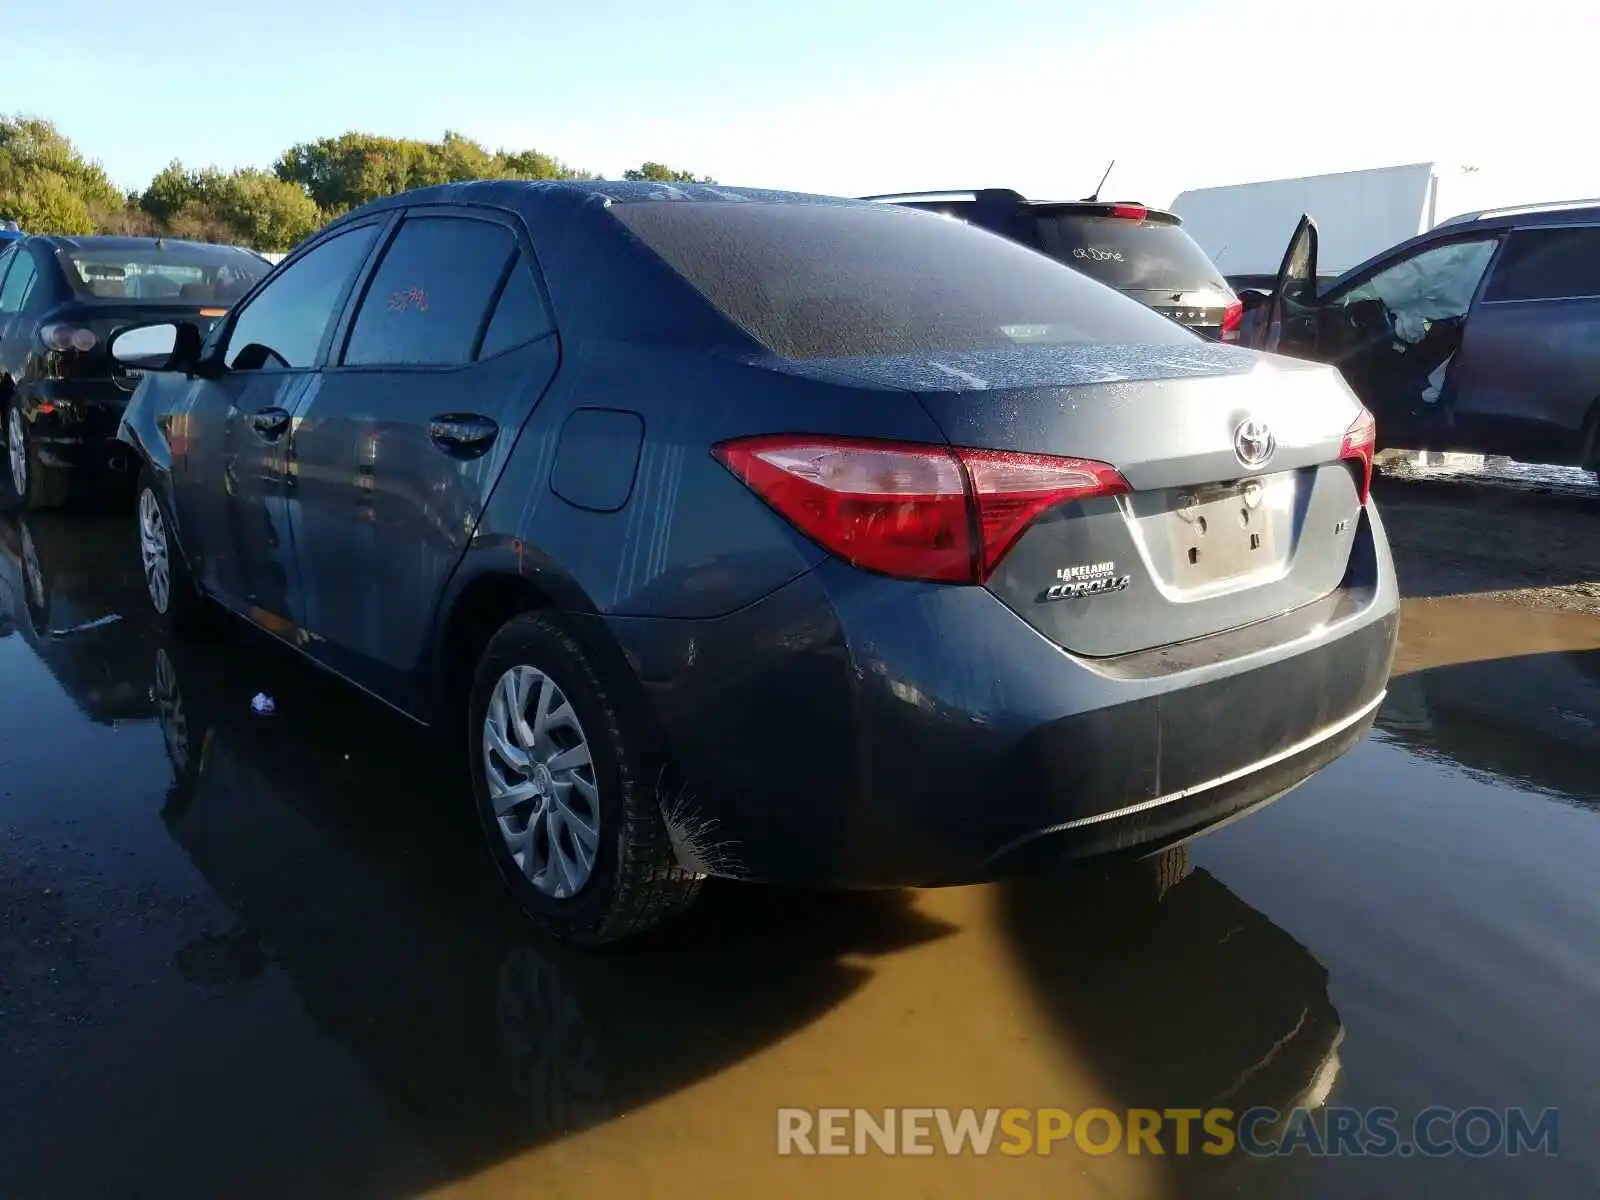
854 731
75 426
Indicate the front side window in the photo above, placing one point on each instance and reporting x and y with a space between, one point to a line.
1548 264
1435 285
430 295
282 327
18 284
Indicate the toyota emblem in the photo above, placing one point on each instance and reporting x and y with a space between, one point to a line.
1254 443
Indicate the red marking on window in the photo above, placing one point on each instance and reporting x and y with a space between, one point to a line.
407 299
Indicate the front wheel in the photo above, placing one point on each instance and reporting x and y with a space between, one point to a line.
168 583
566 793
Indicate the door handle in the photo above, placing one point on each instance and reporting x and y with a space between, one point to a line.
462 434
270 422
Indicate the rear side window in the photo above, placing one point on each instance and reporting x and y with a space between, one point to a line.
1128 255
519 314
1547 264
430 295
846 281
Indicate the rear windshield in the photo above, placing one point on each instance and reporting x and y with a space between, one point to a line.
848 281
1129 255
172 273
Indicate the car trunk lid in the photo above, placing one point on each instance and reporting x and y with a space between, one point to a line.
1205 540
106 319
1204 310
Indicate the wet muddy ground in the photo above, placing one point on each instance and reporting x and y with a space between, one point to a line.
250 955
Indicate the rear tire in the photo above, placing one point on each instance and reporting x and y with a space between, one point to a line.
1168 868
577 834
29 484
169 585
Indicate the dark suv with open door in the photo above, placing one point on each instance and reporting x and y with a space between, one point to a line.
1481 335
1141 251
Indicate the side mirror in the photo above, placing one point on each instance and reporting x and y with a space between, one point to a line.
164 346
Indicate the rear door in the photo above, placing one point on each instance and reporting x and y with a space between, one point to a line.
398 444
1528 370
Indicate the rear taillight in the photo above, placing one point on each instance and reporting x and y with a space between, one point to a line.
938 513
1232 320
1359 445
68 337
1130 212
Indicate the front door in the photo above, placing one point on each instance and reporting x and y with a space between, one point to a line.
1395 331
1291 316
231 486
398 444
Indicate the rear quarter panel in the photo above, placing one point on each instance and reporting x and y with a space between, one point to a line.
691 541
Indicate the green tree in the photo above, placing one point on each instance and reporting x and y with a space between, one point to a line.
170 191
46 184
354 168
250 205
532 164
264 212
655 172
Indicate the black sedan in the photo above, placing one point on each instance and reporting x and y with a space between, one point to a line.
771 536
61 301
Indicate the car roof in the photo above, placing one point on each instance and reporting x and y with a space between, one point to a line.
1493 220
566 193
1560 212
547 197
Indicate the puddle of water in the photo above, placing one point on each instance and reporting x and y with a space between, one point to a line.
236 949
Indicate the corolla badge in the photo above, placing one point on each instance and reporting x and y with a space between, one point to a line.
1087 579
1254 442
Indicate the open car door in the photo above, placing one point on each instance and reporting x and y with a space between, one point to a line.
1291 318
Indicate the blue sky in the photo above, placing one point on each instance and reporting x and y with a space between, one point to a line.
826 95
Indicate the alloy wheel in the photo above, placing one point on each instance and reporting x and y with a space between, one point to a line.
541 781
153 550
17 443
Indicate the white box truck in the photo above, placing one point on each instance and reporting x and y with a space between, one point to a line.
1244 227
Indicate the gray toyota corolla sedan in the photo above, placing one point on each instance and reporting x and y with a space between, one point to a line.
772 536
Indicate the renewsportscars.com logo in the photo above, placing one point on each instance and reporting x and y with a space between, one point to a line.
1326 1132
